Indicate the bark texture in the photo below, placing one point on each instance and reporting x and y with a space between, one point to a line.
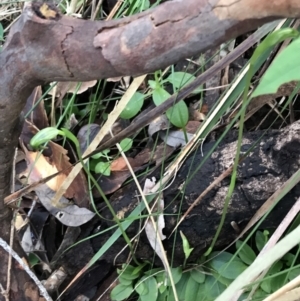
44 46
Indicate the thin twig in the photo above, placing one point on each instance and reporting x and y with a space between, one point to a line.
12 229
9 250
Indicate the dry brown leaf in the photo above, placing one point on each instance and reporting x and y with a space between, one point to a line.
192 126
42 166
120 164
111 183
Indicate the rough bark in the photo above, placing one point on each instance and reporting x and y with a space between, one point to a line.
43 48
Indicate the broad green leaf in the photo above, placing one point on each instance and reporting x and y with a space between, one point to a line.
284 68
125 281
103 168
246 253
126 144
164 296
180 79
210 289
198 275
267 285
176 274
121 292
191 290
162 288
278 281
289 259
178 114
233 269
181 286
141 288
151 285
201 294
128 272
153 84
133 106
160 95
259 295
227 267
161 281
138 268
154 271
260 240
293 274
220 278
275 268
218 260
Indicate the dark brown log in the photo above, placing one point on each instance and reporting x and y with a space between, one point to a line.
43 48
274 160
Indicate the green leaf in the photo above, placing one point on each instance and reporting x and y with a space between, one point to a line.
141 288
157 271
258 295
153 84
178 114
70 136
226 266
120 292
289 259
220 278
125 281
102 154
293 274
133 106
44 136
126 144
267 285
191 290
233 269
151 285
186 246
278 281
164 296
246 253
260 240
198 275
180 79
161 281
181 286
211 288
138 268
159 95
128 272
176 274
32 258
284 68
103 168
